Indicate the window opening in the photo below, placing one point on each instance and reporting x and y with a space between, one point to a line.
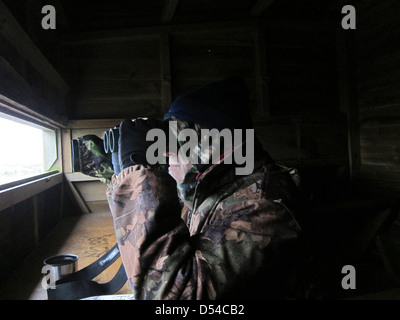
26 149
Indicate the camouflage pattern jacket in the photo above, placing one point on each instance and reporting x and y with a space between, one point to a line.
235 242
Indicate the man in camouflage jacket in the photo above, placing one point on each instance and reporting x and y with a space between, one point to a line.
209 233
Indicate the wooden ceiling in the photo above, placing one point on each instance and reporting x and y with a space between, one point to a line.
96 15
89 15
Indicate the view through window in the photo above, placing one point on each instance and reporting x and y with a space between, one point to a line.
26 150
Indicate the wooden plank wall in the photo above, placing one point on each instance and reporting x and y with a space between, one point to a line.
114 79
204 56
301 61
377 75
290 70
377 51
24 225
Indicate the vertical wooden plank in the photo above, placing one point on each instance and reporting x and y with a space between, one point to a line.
36 220
66 136
169 10
260 6
347 95
165 63
262 90
66 150
59 162
62 200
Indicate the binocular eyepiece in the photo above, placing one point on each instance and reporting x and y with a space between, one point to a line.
110 140
110 144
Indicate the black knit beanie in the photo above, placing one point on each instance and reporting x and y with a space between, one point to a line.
220 104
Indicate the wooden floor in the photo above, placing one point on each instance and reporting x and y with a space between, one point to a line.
89 236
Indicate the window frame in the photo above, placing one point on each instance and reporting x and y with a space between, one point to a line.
16 191
39 127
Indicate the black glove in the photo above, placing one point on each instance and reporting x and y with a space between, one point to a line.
132 144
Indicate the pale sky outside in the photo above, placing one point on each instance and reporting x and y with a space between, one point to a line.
21 151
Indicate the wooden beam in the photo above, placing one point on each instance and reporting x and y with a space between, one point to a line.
36 222
62 18
169 10
148 33
16 109
113 36
93 123
79 177
260 6
20 97
17 183
347 95
12 196
66 150
76 195
166 95
262 90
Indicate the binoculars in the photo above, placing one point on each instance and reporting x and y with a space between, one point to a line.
83 161
110 144
134 137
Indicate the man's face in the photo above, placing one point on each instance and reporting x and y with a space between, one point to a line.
178 167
